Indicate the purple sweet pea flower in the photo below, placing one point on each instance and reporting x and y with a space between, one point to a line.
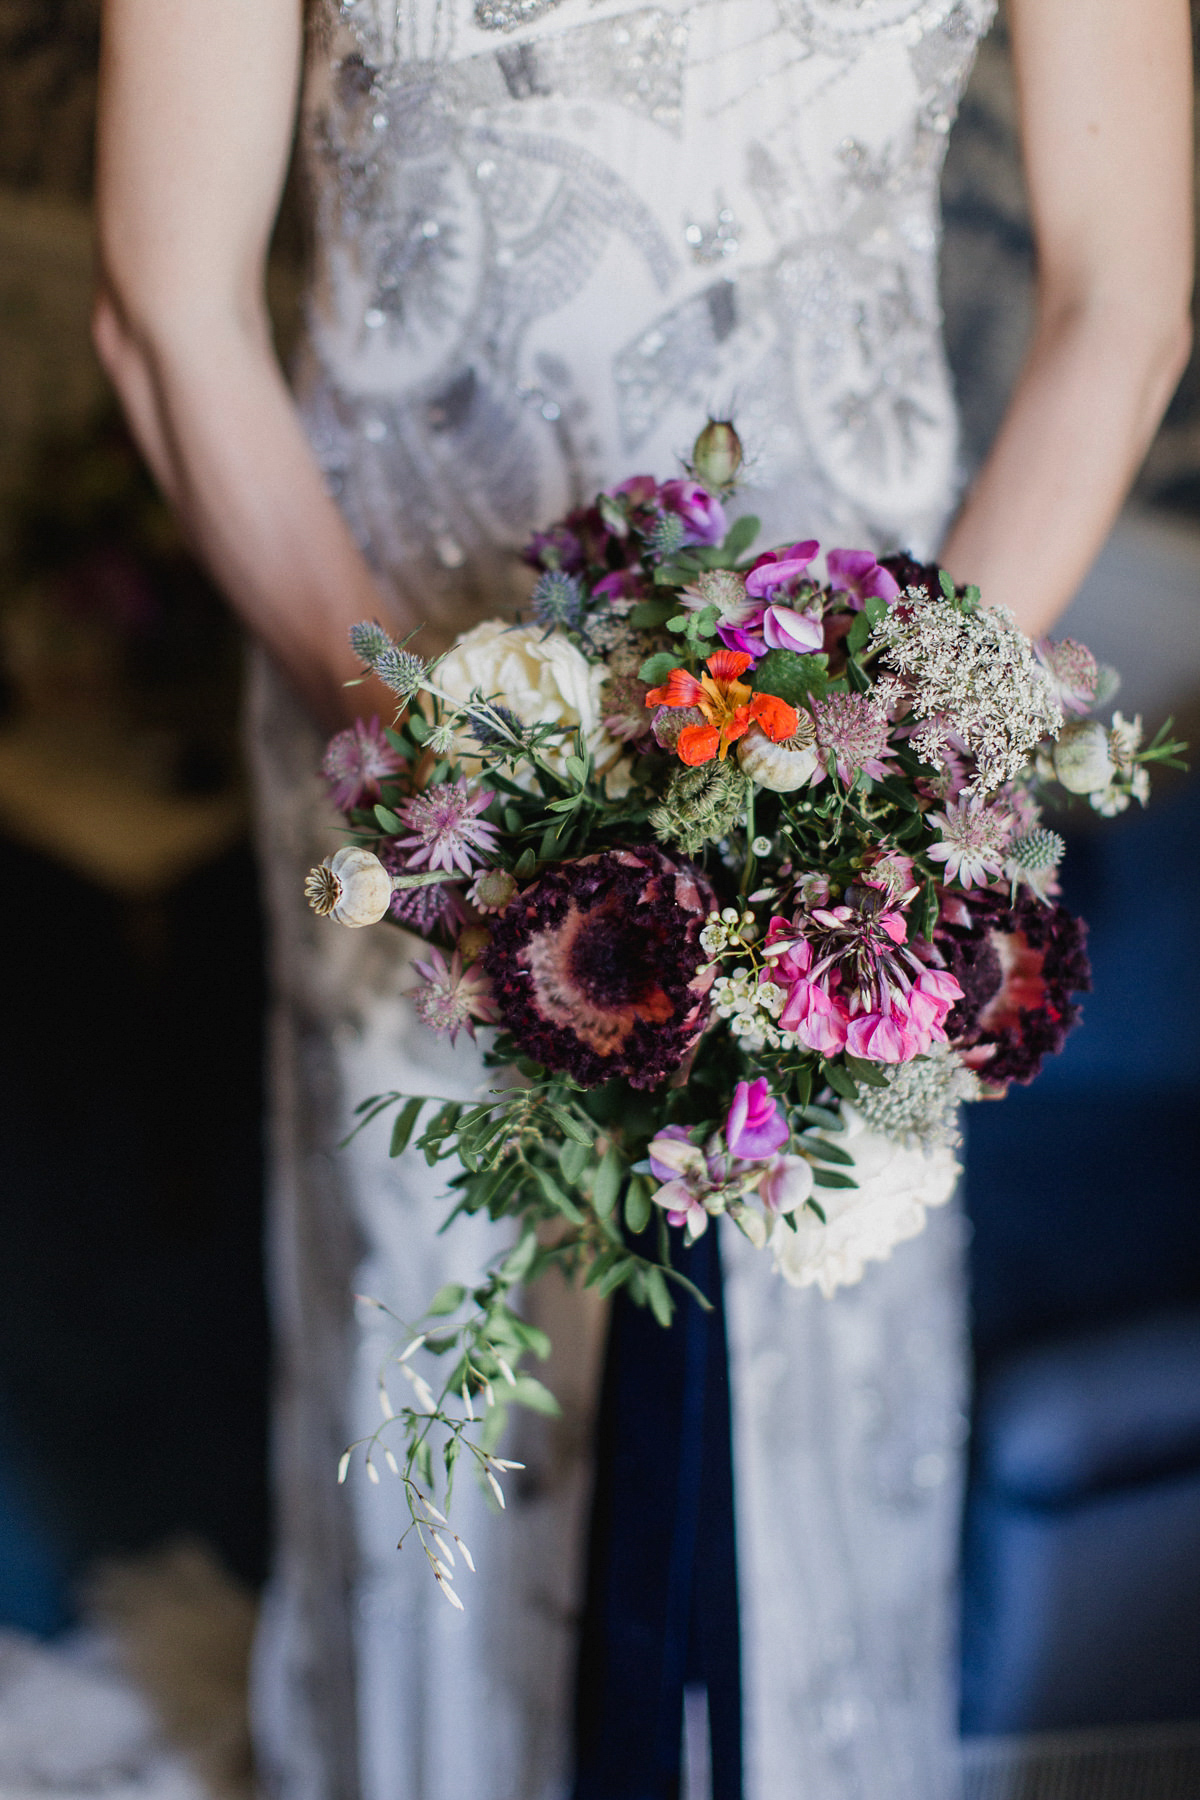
624 584
776 570
746 637
702 513
857 575
784 628
756 1127
674 1134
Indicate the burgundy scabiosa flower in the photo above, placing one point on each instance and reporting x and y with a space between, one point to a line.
355 762
1018 965
597 968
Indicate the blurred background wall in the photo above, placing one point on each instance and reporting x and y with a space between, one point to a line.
133 1350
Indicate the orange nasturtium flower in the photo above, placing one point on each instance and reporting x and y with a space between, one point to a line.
728 705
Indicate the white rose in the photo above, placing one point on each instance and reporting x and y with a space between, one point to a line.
863 1224
540 677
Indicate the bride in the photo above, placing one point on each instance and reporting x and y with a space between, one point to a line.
549 235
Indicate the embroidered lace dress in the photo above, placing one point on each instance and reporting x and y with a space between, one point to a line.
550 236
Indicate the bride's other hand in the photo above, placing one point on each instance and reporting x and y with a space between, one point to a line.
197 104
1105 95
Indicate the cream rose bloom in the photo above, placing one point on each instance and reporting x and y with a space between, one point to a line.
864 1224
542 678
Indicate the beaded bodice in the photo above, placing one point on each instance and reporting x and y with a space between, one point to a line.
551 234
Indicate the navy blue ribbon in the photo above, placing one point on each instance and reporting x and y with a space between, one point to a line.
662 1607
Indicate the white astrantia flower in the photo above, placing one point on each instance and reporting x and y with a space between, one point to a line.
1082 759
538 676
896 1185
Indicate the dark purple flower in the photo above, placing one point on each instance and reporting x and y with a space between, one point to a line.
778 573
597 968
423 909
702 513
756 1126
622 584
356 761
1018 965
856 576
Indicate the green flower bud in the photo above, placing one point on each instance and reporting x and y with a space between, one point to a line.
717 455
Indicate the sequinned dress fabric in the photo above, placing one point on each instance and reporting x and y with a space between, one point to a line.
550 236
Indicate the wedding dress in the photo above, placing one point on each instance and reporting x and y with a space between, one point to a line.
550 236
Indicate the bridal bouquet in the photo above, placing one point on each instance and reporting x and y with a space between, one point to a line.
741 860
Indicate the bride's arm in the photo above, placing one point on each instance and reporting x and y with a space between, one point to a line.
197 102
1105 91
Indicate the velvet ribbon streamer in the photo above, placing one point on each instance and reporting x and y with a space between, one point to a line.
662 1606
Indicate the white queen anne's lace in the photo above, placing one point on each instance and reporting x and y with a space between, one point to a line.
971 673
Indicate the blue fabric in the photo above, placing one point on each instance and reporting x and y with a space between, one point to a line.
1097 1410
662 1608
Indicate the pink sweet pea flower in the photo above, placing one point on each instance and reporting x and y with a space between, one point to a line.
884 1037
702 513
659 1148
776 571
683 1207
756 1126
784 628
857 576
816 1018
787 1184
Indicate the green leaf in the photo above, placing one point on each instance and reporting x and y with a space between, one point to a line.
876 608
397 742
577 769
557 1198
418 728
660 1301
608 1182
648 615
637 1205
622 1270
897 790
824 1151
573 1127
529 1392
740 536
824 1116
858 633
388 820
520 1258
830 1179
792 677
423 1459
402 1130
841 1081
656 668
946 584
867 1074
448 1299
512 819
525 865
573 1159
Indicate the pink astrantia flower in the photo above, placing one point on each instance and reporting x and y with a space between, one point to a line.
974 838
702 514
355 763
447 832
854 730
756 1126
857 577
451 998
1072 669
